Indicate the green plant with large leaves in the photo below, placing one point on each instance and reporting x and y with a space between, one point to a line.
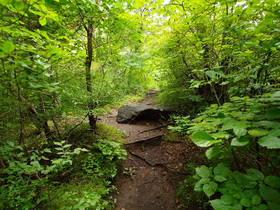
243 134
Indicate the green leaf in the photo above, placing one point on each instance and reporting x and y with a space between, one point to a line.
8 47
274 132
19 5
258 132
210 188
240 128
198 187
273 206
67 145
256 174
4 2
42 21
204 180
270 142
227 199
246 202
212 152
248 194
203 171
228 123
269 194
272 113
220 178
256 200
202 139
221 115
260 207
269 124
221 169
63 114
272 181
217 205
220 135
243 140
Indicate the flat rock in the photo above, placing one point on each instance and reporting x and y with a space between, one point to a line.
132 113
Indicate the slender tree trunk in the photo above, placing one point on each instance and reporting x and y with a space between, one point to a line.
91 105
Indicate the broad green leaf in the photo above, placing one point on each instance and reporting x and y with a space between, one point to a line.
260 207
258 132
229 123
19 5
67 145
273 206
270 142
272 113
269 124
240 128
63 114
5 2
203 171
227 199
221 169
212 152
248 194
221 115
204 180
243 140
202 139
256 200
217 205
210 188
220 178
272 181
8 47
248 181
256 174
246 202
274 132
42 21
198 187
220 135
269 194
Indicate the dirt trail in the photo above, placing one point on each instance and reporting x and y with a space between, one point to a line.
153 169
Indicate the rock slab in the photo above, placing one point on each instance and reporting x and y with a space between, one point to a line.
133 113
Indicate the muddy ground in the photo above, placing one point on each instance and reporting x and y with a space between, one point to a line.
154 167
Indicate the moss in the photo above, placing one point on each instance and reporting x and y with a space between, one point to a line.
109 132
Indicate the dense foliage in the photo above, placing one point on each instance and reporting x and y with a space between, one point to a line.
64 61
226 53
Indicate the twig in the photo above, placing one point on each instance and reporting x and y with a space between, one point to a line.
68 134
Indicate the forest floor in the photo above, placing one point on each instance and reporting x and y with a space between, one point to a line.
154 167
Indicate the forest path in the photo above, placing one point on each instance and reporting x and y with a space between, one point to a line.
153 169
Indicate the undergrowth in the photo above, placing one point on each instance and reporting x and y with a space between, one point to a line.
242 138
72 174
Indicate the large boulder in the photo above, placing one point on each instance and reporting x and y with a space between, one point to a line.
131 113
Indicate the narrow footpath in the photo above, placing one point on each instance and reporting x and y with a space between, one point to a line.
154 166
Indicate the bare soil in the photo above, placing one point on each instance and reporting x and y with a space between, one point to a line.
154 167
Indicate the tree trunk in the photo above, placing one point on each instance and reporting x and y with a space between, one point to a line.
91 105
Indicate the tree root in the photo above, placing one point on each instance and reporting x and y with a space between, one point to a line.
165 165
149 139
159 127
